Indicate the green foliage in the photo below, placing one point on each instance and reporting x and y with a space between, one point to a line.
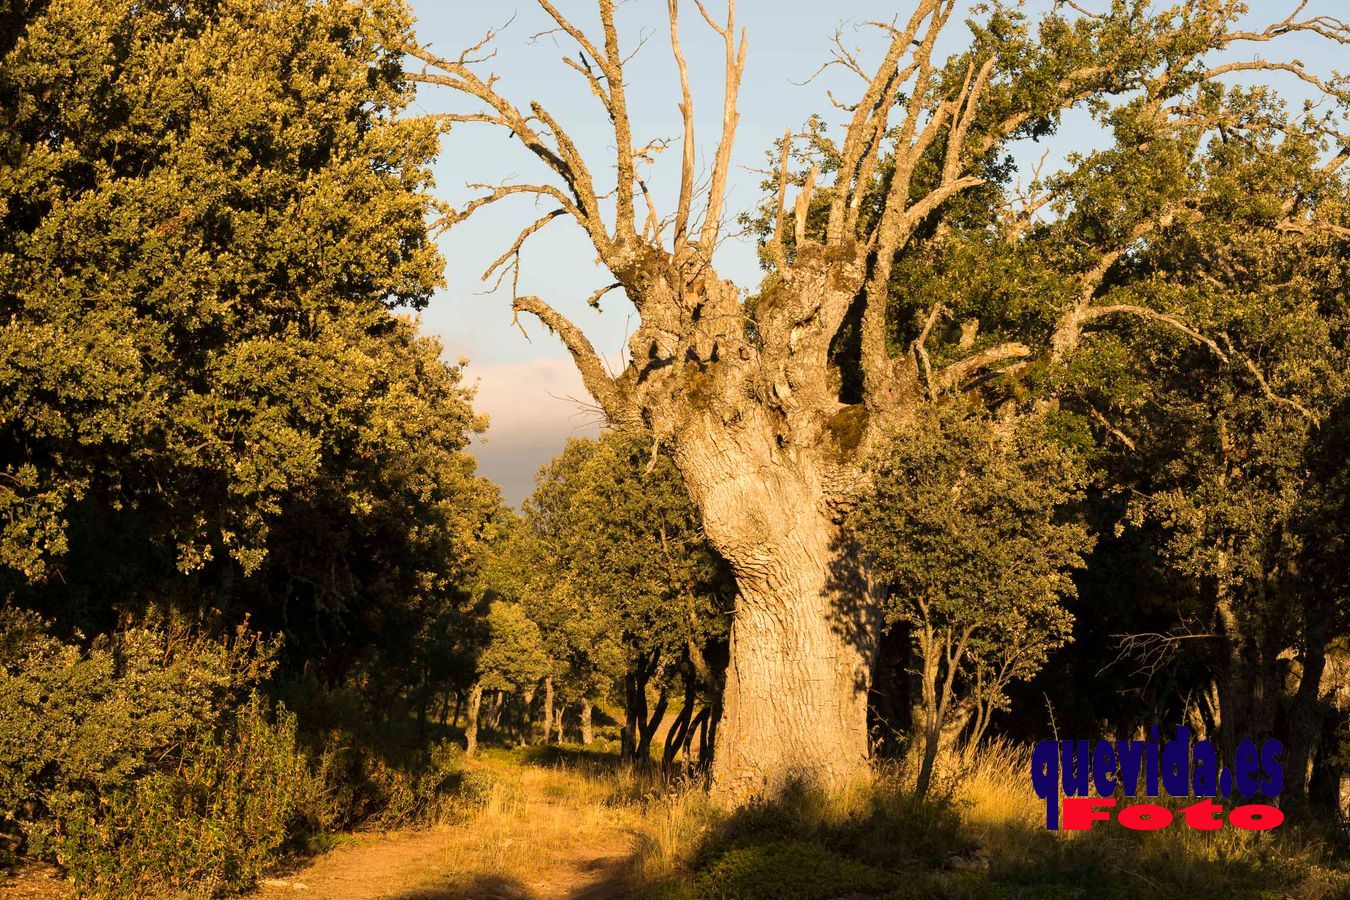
987 839
207 208
128 761
883 825
209 827
609 562
137 763
619 526
966 523
514 656
78 724
208 213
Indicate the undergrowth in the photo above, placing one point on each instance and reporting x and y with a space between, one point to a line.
979 834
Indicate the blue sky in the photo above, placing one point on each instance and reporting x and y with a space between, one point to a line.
527 386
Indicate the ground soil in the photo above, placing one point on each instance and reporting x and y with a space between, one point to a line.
547 836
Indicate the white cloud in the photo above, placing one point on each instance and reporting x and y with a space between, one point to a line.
533 408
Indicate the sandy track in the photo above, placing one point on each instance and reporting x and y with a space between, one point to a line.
542 834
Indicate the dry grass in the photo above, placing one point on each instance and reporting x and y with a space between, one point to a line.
999 845
568 824
538 823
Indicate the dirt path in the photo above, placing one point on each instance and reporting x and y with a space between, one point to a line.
544 833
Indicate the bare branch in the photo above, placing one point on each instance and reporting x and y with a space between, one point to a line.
687 114
921 349
603 388
500 192
1151 651
623 131
562 158
868 126
956 142
593 300
1108 427
953 374
1127 309
804 204
734 69
1295 68
1326 26
1265 385
513 252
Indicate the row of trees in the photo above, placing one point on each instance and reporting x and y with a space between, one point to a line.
607 574
210 216
229 461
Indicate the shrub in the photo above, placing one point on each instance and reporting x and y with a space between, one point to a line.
210 827
81 724
372 775
137 763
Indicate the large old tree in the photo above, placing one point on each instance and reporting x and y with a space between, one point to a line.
769 405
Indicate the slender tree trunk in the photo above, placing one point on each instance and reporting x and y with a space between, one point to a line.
495 710
587 735
634 710
423 703
647 728
548 708
675 738
803 633
444 714
932 712
698 726
471 725
522 724
635 706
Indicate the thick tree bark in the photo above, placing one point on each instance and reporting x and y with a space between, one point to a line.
752 397
803 635
471 725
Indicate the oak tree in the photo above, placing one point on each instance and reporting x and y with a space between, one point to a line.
770 404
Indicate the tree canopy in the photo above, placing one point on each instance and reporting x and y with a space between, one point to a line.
210 213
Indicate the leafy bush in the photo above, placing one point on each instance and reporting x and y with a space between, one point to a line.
210 827
374 775
79 724
136 763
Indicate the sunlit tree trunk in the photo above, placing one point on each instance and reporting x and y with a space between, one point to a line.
587 735
547 715
803 634
471 721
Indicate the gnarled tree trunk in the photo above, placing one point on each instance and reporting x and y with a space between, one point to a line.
767 417
803 635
